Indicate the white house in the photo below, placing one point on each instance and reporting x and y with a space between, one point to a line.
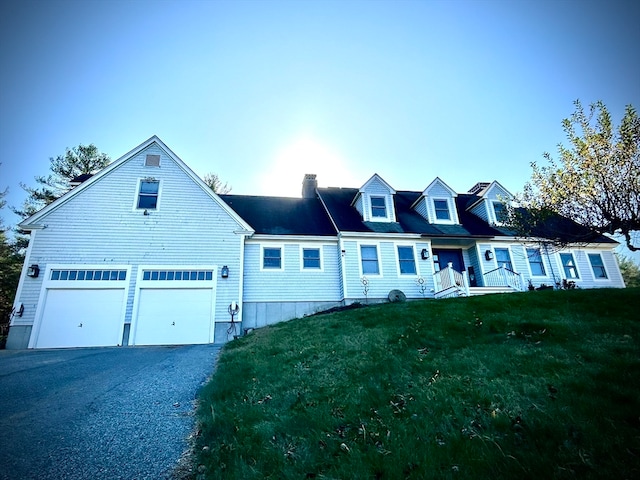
144 253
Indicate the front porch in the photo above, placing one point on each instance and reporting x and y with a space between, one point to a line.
451 283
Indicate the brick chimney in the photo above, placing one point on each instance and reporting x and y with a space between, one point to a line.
309 185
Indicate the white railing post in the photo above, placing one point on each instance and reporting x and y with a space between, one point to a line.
465 283
452 280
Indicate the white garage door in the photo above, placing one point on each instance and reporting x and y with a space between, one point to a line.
81 318
174 306
174 317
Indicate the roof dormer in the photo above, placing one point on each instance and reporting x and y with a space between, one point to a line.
490 203
437 204
374 201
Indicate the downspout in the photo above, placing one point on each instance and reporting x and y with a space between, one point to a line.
545 245
342 266
243 239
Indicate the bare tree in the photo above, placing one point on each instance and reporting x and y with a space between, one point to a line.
215 184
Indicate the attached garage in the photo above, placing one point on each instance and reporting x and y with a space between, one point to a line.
83 306
174 306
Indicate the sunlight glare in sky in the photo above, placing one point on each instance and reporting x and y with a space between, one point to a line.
303 155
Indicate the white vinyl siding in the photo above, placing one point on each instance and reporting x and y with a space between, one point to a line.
298 284
190 228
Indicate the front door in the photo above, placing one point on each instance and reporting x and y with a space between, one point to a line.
441 258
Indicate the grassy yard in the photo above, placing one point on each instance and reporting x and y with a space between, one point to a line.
531 385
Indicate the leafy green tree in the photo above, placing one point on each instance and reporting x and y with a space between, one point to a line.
630 271
215 183
83 159
10 266
595 181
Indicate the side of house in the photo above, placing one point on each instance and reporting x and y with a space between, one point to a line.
133 256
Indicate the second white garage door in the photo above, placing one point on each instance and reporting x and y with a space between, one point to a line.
174 316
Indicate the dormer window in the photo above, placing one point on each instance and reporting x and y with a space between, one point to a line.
378 207
441 208
500 212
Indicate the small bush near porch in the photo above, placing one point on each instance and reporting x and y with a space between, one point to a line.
528 385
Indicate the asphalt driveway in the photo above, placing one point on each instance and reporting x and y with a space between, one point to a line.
98 413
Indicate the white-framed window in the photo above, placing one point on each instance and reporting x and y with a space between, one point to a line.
272 258
369 260
441 209
569 266
535 262
311 258
378 207
148 194
406 260
499 212
597 265
503 258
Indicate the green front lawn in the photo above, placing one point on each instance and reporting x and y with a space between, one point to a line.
531 385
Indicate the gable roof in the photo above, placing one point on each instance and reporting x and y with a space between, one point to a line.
30 223
282 215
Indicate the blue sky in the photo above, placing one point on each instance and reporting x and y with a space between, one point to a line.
262 92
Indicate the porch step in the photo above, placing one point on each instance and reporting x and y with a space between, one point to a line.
488 290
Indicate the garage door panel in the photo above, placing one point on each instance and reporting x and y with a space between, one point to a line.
174 316
81 318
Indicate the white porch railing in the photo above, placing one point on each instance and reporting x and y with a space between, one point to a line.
503 277
449 282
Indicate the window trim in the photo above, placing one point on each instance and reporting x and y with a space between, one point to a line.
379 263
271 247
498 264
544 268
413 253
575 266
496 220
604 267
320 255
451 208
136 199
375 218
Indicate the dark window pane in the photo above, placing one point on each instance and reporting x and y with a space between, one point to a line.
55 275
272 258
122 275
378 207
442 209
209 275
81 274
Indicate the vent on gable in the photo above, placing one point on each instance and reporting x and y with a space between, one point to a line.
478 187
152 161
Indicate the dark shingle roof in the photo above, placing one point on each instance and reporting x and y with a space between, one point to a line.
347 218
282 215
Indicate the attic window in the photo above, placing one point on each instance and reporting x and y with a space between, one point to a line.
442 209
152 161
148 194
378 207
